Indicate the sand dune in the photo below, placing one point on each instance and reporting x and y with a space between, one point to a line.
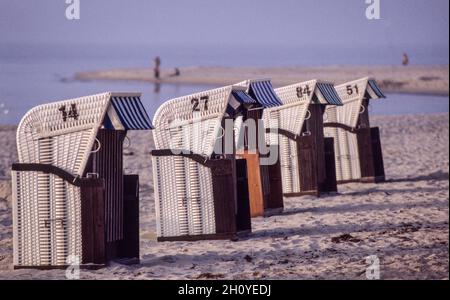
403 221
411 79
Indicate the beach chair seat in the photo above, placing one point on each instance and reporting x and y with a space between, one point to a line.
357 146
72 203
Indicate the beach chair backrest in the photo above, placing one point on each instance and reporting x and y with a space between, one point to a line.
352 94
192 122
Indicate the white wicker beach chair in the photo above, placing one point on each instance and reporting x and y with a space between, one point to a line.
195 181
353 137
303 171
56 144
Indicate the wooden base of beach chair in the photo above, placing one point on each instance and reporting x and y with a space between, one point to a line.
303 193
96 248
329 185
370 155
264 185
188 238
363 180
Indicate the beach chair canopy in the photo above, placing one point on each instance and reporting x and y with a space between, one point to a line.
352 94
193 122
63 133
262 91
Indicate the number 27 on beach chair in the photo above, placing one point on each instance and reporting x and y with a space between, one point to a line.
200 187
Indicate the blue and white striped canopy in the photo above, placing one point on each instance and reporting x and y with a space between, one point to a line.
373 87
329 93
243 97
126 113
262 91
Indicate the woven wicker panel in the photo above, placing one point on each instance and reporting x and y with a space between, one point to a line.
346 153
352 94
184 197
291 117
47 227
176 120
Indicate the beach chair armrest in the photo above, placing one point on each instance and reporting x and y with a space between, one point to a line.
63 174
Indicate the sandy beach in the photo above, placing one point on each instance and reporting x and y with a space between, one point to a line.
404 221
411 79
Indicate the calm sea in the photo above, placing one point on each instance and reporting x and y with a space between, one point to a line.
35 74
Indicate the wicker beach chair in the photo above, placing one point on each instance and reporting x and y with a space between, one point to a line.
304 153
200 189
357 147
264 179
69 191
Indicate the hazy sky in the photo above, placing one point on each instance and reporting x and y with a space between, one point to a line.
249 22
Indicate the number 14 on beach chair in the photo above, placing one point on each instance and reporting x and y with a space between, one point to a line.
72 202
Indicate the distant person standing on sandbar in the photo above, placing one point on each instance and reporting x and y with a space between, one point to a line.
405 60
156 70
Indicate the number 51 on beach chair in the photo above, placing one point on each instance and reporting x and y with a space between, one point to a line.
357 146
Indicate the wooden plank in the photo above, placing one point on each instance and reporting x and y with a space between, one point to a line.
93 223
276 188
307 163
316 119
224 191
255 190
365 154
217 236
377 155
243 221
129 245
330 183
